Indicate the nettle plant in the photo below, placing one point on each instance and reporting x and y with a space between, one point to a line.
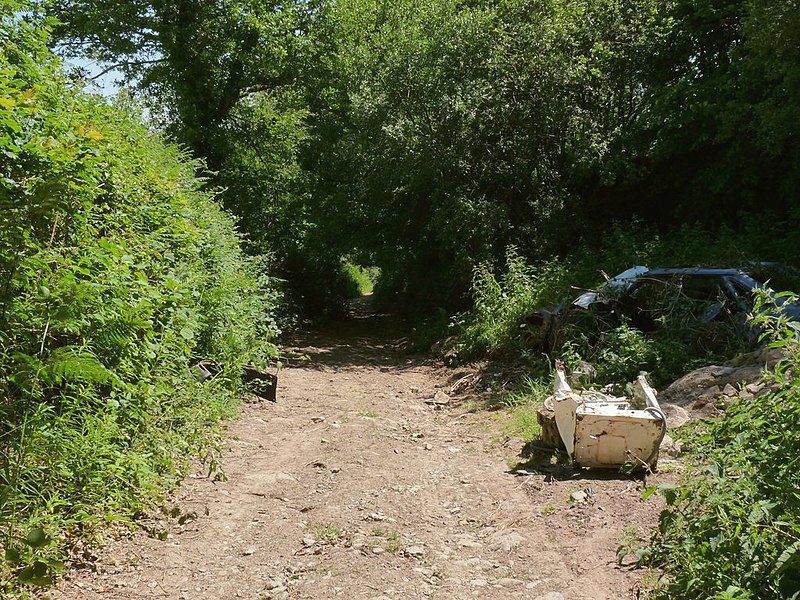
732 527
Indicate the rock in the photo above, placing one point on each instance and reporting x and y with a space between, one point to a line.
550 596
417 551
676 415
730 391
507 540
706 382
272 584
378 550
439 399
754 388
509 582
309 541
579 496
671 447
248 551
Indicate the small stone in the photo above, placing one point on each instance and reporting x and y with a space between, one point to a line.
414 551
248 551
730 391
272 584
317 419
378 550
507 541
579 496
550 596
309 541
509 582
754 388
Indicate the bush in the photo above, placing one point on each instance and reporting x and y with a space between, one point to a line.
116 270
501 304
732 527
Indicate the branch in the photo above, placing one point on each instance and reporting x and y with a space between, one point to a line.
126 63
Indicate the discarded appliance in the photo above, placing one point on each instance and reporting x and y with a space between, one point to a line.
604 431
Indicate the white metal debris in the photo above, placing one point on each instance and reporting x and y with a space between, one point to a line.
600 431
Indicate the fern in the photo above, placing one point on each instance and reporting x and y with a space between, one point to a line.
74 363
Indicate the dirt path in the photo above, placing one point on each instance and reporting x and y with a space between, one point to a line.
353 486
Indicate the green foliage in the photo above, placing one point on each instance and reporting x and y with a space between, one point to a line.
501 304
732 528
362 279
116 270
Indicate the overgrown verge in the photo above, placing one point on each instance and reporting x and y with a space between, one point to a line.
732 527
501 324
116 270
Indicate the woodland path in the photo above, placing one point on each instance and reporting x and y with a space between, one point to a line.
353 486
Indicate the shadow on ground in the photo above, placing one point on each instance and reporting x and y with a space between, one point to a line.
364 337
554 464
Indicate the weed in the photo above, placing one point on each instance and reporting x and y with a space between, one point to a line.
393 545
328 533
732 525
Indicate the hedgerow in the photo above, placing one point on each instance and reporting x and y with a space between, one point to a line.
117 270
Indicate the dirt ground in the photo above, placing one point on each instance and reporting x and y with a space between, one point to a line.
355 485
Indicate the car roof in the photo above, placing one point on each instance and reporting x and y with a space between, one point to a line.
699 271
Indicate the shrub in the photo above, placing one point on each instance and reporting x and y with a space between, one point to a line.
501 304
732 527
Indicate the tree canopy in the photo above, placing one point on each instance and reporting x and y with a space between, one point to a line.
427 138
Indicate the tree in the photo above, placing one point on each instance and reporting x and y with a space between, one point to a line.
198 58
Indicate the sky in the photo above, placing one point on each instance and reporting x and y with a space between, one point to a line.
105 85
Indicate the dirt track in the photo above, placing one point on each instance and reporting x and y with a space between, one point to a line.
353 486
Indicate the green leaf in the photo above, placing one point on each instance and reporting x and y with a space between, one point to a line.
786 558
649 491
37 538
12 556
